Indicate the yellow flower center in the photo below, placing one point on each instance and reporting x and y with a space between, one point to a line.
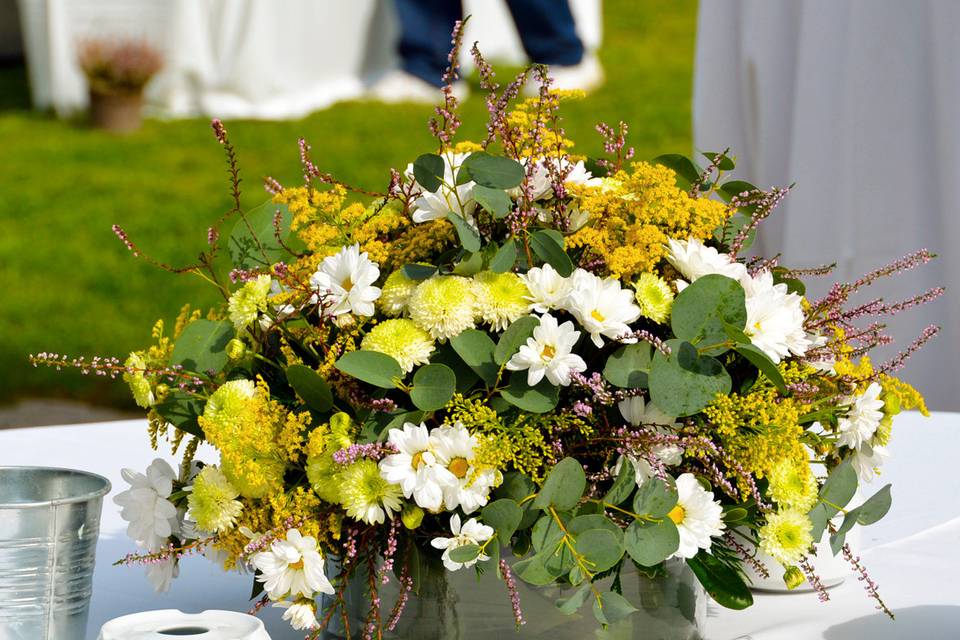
296 566
548 352
677 514
596 315
417 460
347 284
459 467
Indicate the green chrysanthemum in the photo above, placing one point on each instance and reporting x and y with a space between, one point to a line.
365 495
248 301
654 297
793 487
402 340
501 298
140 387
322 471
396 292
786 537
213 504
443 306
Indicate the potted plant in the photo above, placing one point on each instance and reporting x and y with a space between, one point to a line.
116 72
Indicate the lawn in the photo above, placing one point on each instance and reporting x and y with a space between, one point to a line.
68 284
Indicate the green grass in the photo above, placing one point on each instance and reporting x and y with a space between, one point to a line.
69 286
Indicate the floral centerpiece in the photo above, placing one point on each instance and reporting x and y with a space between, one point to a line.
513 359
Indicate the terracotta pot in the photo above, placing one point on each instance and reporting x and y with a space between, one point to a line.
119 113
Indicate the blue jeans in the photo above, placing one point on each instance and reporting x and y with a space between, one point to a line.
546 29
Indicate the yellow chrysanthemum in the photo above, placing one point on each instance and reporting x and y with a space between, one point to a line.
213 504
793 485
402 340
501 298
786 537
248 301
365 495
654 297
443 306
324 441
140 387
243 423
396 292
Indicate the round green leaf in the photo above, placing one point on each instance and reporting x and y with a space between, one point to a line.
428 169
202 344
655 498
311 388
611 607
433 386
722 583
650 543
533 570
571 604
623 484
601 548
505 257
876 507
496 201
495 172
580 524
371 367
465 553
563 487
538 399
504 515
629 366
545 245
476 349
546 534
469 237
684 382
514 337
700 311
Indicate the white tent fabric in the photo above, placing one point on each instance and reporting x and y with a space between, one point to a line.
248 58
855 101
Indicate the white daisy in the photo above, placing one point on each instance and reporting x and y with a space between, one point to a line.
697 515
638 412
455 446
549 352
694 259
548 289
472 532
302 616
774 317
862 419
449 197
867 461
162 573
541 185
144 505
292 567
344 283
602 307
416 467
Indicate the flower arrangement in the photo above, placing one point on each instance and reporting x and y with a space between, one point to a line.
512 352
117 72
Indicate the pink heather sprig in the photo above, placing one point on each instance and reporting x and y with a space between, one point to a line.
272 186
645 336
445 126
373 614
766 202
582 409
390 552
511 584
350 548
707 173
219 130
258 606
166 553
245 275
263 541
112 367
813 272
406 586
595 386
614 144
896 363
813 579
868 584
374 451
746 556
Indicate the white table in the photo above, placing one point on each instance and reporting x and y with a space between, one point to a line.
914 553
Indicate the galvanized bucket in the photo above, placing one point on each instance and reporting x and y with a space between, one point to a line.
49 521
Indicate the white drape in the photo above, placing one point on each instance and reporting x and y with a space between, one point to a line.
856 101
248 58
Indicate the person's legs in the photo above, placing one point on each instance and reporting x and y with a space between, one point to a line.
547 31
425 27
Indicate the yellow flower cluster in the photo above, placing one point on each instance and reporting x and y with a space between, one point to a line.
759 430
633 213
906 396
528 123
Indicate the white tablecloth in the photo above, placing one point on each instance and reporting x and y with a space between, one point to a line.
914 553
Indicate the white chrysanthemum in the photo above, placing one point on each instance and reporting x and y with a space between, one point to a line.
638 412
396 292
344 283
292 567
548 289
152 517
654 297
366 495
862 419
867 461
472 532
774 317
786 537
301 615
213 501
415 467
697 515
162 573
455 447
548 352
402 340
449 197
444 306
602 307
248 302
501 298
694 259
541 184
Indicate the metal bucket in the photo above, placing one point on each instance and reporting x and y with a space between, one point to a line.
49 522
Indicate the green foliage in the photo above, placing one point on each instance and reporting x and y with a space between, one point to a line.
723 584
465 553
875 507
514 337
428 169
493 172
623 485
182 410
655 498
253 240
372 367
419 271
201 346
537 399
469 237
701 311
311 388
563 487
504 515
764 365
684 382
505 257
476 349
687 170
433 386
629 366
611 607
651 542
545 245
496 201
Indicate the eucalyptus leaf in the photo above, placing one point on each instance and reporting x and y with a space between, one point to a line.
469 237
429 170
623 484
611 607
465 553
311 387
701 311
655 498
514 337
371 367
582 524
839 488
629 366
563 487
505 257
600 547
433 386
419 271
875 507
476 349
537 399
494 172
651 542
201 346
496 201
504 515
534 571
182 410
550 251
685 382
571 604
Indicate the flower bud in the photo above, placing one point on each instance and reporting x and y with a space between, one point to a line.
236 349
412 516
793 577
